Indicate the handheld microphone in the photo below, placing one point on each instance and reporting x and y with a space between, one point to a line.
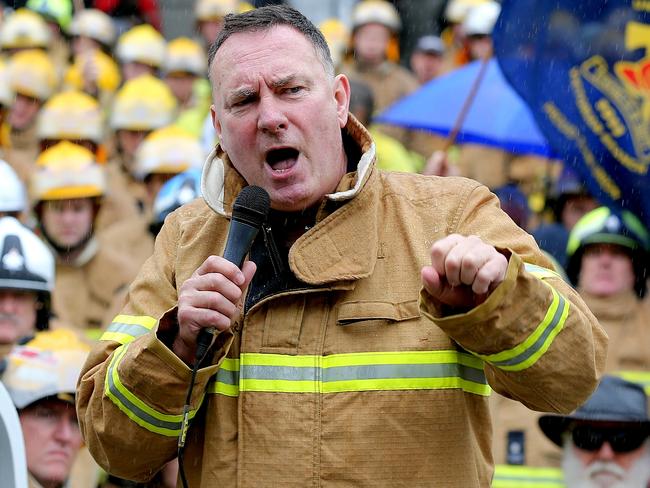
249 212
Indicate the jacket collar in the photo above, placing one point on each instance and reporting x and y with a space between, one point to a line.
331 250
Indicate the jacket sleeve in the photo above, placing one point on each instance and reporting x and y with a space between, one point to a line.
132 389
539 342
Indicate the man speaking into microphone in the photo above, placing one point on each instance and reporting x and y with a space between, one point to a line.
359 342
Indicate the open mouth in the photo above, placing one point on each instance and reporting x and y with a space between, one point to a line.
282 159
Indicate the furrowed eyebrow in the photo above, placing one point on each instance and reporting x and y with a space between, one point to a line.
241 95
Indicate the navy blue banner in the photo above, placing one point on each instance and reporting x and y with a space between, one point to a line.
583 67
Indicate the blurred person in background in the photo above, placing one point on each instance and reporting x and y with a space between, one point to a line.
6 100
140 51
606 441
24 29
453 36
427 59
141 106
33 79
209 15
568 200
13 194
26 284
607 262
176 192
41 380
57 14
93 70
391 154
477 28
163 154
92 29
337 36
76 117
185 72
375 24
67 189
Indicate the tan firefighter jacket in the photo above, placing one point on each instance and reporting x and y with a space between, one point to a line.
356 378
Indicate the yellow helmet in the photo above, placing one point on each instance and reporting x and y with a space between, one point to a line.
214 9
32 73
67 170
71 115
337 35
24 29
6 97
143 103
141 44
186 56
169 150
108 74
244 7
94 24
376 12
47 366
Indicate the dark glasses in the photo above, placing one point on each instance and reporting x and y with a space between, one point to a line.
591 438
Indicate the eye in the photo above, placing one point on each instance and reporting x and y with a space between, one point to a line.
294 90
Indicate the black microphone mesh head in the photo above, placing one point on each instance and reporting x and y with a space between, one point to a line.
252 206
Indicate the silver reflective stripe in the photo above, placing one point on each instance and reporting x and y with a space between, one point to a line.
541 340
228 377
365 372
130 329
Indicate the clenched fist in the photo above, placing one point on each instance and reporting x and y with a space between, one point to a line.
464 271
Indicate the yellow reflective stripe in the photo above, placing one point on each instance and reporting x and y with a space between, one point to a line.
641 378
348 372
142 414
508 476
125 328
530 350
540 272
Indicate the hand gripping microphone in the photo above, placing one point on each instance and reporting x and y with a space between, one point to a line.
249 212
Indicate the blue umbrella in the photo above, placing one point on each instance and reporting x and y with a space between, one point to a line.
497 116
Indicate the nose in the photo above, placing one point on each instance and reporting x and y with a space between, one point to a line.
605 453
271 117
67 430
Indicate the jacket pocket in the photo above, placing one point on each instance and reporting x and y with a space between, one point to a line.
368 312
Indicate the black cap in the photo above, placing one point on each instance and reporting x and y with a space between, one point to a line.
430 44
615 400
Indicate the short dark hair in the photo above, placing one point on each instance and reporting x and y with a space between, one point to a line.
264 18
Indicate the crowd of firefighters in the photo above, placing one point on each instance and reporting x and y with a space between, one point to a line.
103 131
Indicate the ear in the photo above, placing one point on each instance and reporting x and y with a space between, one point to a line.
216 124
342 98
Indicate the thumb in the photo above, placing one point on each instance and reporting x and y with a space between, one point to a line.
248 270
431 281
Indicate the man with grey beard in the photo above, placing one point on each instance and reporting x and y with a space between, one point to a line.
606 441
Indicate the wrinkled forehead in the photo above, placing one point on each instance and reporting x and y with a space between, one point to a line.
264 51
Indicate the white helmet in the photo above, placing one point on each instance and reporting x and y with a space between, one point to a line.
481 19
25 262
376 12
13 196
94 24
